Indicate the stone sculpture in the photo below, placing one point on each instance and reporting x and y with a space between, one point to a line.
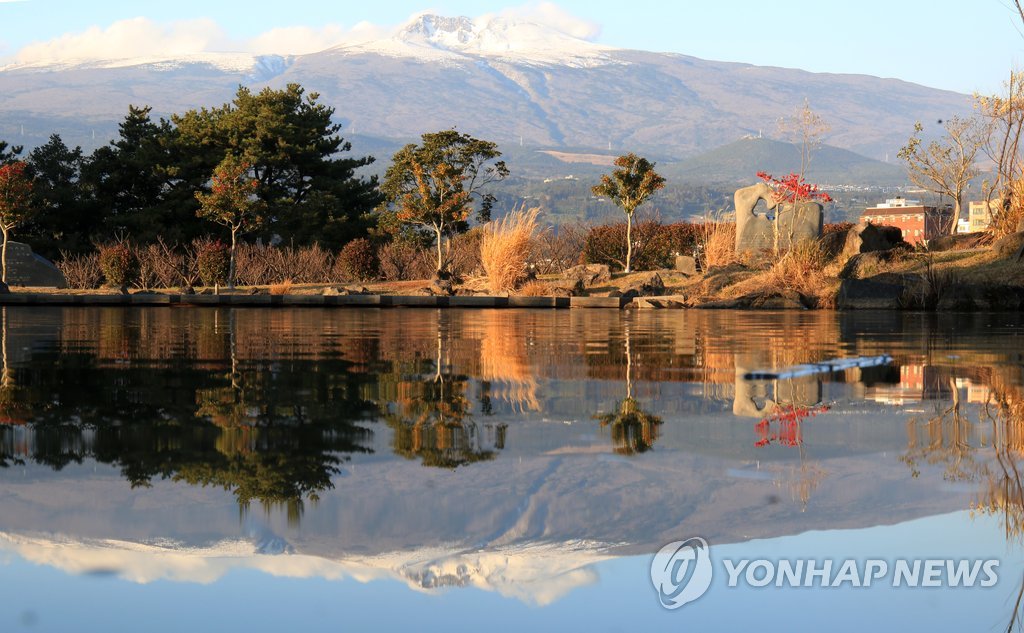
25 268
796 223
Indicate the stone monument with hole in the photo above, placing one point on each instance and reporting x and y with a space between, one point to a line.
779 227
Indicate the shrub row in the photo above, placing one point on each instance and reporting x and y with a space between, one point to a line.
206 262
655 245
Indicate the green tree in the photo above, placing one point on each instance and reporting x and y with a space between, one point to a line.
628 187
67 219
132 180
9 153
288 138
15 206
232 202
436 185
945 166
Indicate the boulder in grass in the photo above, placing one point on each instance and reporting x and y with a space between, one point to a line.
866 238
1011 245
643 285
959 241
589 274
686 265
863 294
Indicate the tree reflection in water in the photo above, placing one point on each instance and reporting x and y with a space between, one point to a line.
989 451
269 431
633 429
432 417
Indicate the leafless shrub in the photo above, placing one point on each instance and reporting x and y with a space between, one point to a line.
308 264
401 261
257 265
560 248
160 265
82 272
464 254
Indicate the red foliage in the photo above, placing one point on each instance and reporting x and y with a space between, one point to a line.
787 421
15 189
793 188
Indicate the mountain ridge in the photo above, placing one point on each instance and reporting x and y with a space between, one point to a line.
510 81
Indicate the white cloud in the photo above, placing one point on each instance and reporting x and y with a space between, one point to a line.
136 37
142 37
299 40
554 16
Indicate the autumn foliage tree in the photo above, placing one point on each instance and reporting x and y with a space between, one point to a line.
793 189
628 187
437 184
15 205
232 202
945 166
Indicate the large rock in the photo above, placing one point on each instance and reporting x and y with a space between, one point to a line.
958 241
955 298
764 300
718 277
643 285
25 268
1010 245
572 287
755 232
589 274
686 265
868 264
862 294
994 297
832 243
437 288
867 238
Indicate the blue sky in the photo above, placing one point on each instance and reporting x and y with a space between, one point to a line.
964 46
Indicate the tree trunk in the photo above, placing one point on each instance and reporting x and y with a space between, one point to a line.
231 266
3 256
956 217
440 251
629 242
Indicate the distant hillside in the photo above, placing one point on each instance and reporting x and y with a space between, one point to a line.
740 161
508 81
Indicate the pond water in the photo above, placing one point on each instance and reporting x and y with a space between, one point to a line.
334 469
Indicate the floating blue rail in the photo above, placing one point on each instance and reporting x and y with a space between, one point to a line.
824 367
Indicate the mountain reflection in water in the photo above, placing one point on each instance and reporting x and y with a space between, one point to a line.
502 449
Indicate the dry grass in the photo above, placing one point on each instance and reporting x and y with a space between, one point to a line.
505 248
504 362
282 288
534 289
1006 221
801 269
716 243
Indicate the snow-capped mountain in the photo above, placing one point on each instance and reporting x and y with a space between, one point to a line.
433 38
499 78
534 573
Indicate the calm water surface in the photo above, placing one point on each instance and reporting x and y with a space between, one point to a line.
265 470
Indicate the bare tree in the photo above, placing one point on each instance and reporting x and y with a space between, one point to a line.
1004 128
945 166
804 128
